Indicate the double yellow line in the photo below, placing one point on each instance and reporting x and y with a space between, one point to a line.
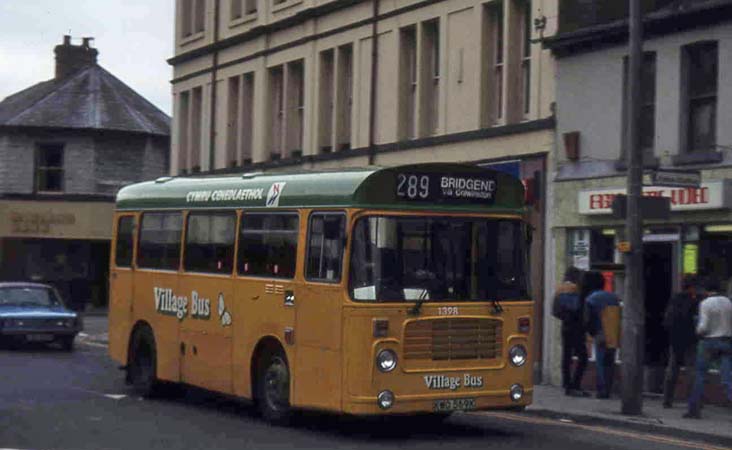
609 431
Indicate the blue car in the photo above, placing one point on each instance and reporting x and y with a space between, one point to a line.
35 312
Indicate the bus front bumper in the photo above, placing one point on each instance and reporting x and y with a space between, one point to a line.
441 403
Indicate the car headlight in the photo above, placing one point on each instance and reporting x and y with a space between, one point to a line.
386 360
517 355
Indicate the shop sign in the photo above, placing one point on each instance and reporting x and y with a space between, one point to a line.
710 195
39 223
691 253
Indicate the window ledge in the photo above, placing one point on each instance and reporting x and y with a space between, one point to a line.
709 156
251 17
185 40
285 5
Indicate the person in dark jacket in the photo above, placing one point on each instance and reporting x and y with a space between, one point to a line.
602 321
567 307
678 321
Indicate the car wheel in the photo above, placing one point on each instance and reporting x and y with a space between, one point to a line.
273 388
67 343
143 363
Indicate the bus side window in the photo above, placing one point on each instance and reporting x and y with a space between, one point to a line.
159 246
123 246
210 242
268 245
326 240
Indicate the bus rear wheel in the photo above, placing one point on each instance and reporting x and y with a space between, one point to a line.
142 367
273 388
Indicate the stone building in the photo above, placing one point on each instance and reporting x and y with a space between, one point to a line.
688 57
267 84
66 146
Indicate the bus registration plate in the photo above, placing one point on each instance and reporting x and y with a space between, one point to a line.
39 337
454 404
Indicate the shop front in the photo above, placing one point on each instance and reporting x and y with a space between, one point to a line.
696 238
62 243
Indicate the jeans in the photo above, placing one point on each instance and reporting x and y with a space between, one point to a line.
605 365
573 343
711 349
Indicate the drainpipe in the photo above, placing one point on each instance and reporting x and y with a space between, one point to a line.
374 72
214 70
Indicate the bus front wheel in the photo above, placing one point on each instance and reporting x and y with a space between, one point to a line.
273 388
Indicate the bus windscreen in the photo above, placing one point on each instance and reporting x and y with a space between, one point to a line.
399 258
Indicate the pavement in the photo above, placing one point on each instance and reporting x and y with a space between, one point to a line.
714 426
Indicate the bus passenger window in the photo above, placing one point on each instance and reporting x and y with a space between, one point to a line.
268 245
210 242
123 247
159 246
325 247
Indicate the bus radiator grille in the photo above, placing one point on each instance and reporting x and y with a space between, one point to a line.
453 339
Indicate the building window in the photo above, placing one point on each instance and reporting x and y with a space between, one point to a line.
184 112
240 8
407 82
286 109
647 113
430 67
196 117
335 99
239 123
50 168
325 102
190 117
492 57
193 14
701 75
525 8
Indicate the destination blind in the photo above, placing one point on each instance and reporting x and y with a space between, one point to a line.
436 187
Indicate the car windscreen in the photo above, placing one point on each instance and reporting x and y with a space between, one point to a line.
28 296
438 259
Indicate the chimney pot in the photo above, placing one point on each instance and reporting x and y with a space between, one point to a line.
67 39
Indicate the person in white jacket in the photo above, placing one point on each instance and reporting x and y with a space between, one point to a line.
715 332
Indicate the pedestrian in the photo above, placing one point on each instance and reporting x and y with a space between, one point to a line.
678 321
567 307
715 332
602 321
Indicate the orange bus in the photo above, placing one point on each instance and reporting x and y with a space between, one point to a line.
363 291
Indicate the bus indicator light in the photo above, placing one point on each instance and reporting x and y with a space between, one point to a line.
524 325
381 327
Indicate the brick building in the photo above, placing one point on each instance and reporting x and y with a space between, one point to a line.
66 146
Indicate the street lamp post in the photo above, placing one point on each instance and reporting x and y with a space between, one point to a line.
633 322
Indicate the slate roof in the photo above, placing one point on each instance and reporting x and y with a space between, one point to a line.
92 98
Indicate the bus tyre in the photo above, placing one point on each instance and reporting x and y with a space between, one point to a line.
143 363
273 388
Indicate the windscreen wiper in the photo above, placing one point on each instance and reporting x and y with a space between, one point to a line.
417 308
497 308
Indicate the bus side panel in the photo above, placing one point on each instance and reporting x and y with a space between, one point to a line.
258 311
165 323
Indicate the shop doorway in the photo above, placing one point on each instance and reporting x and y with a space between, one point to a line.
658 258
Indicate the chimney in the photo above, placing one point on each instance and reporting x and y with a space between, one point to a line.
72 58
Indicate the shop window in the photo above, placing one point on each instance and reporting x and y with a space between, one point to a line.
268 245
715 253
159 246
50 168
325 247
700 76
602 247
124 245
210 242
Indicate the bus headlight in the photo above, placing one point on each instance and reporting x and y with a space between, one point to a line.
385 399
517 355
386 360
517 392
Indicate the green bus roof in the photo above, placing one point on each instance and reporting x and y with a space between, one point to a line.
429 186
